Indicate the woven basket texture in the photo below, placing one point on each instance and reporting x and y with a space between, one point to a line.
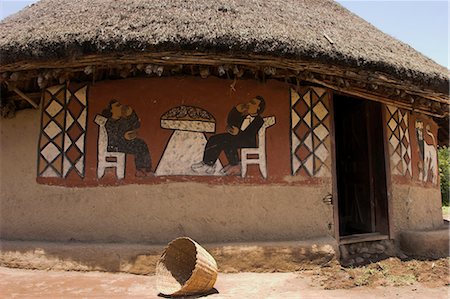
185 268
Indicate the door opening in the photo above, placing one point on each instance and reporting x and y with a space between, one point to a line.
360 167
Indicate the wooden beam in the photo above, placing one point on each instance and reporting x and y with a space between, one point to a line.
199 58
35 96
375 98
22 95
350 76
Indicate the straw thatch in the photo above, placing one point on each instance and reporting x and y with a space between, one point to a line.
319 30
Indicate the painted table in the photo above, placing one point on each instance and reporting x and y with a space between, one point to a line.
185 146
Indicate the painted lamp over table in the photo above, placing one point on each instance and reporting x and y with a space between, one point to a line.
187 143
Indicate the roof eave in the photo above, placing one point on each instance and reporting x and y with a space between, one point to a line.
358 81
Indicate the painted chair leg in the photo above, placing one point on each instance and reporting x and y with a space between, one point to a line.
120 172
243 169
100 172
263 169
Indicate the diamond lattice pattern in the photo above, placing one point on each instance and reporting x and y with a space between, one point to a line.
63 123
52 124
310 131
399 142
75 131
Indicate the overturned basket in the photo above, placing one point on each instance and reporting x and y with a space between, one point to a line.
185 268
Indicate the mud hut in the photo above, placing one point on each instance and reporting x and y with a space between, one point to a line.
291 122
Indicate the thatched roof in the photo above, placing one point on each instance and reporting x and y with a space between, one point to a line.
319 30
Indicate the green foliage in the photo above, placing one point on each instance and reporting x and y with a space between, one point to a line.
444 172
445 210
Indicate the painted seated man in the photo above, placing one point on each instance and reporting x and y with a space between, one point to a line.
243 124
122 126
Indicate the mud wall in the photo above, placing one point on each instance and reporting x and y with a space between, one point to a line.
37 205
415 192
51 188
415 208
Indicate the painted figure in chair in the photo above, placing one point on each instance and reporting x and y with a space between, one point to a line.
122 127
243 124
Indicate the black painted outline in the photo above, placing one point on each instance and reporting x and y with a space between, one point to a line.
96 169
165 147
97 152
52 118
391 116
311 130
83 130
88 87
321 122
303 138
291 153
265 146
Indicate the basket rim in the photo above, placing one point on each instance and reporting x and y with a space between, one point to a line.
196 268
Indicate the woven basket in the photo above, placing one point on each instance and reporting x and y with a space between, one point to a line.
185 268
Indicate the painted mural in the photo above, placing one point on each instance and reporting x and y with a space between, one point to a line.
63 132
157 130
310 132
190 152
257 155
399 141
427 148
185 147
412 145
121 124
243 124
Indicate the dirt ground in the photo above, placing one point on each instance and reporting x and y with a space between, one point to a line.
390 272
390 278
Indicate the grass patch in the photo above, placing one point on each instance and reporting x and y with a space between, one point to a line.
402 280
444 173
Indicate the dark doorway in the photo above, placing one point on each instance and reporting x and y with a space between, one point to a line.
360 167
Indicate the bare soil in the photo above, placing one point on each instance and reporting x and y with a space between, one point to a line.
391 272
20 283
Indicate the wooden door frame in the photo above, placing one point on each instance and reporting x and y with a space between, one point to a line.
334 168
388 175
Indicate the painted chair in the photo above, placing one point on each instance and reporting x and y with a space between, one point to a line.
104 155
259 151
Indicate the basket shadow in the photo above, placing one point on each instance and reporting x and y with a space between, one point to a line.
210 292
